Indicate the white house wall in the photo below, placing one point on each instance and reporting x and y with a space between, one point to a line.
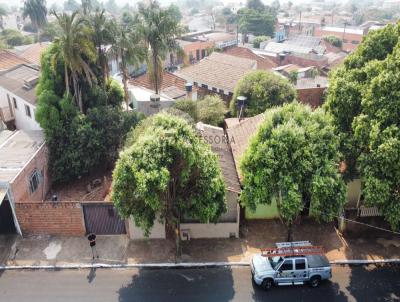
22 121
157 232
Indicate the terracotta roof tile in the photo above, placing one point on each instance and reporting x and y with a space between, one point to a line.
31 52
240 135
242 52
9 60
169 79
218 70
215 136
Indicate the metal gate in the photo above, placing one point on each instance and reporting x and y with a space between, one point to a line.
103 220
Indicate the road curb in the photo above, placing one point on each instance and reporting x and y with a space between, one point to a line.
175 265
136 265
365 262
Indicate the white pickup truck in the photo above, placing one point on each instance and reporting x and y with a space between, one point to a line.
291 263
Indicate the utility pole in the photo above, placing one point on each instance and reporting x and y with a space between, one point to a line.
300 23
344 31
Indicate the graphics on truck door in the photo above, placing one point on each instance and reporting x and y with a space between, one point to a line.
285 272
300 270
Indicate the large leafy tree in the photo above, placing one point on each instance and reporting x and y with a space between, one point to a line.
347 85
294 160
364 102
256 22
263 90
37 12
78 52
159 28
377 135
209 110
79 142
128 49
169 172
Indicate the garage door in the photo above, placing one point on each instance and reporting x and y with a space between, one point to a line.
103 220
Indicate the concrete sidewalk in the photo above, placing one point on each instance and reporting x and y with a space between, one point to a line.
47 250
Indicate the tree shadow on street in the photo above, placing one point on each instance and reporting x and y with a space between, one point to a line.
375 283
179 285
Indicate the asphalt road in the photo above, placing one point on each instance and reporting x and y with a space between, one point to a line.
217 284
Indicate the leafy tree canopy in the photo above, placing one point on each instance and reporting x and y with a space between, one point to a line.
335 41
168 172
363 101
347 85
294 160
209 110
257 22
263 90
78 142
258 40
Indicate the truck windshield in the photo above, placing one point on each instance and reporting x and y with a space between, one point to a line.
275 261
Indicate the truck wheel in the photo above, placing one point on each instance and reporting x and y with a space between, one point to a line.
266 284
315 281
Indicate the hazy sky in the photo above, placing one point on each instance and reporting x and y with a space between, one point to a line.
123 2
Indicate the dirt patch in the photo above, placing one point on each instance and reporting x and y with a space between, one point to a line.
93 187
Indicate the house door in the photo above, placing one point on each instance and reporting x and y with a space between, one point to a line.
103 219
7 225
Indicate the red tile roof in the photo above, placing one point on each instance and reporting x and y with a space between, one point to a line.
9 60
243 52
169 80
32 52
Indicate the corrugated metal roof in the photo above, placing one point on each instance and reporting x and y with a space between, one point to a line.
16 152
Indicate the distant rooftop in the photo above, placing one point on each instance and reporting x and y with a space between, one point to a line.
21 81
31 52
244 52
9 60
349 30
303 40
218 70
307 83
16 150
277 48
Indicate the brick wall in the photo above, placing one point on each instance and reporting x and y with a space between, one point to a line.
20 185
52 218
311 96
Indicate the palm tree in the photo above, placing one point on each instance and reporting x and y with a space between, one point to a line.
77 51
128 49
37 12
160 29
86 6
103 35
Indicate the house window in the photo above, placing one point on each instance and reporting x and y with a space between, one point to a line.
355 42
28 110
214 89
15 103
34 180
204 86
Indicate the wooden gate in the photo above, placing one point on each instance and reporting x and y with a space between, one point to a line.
103 219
